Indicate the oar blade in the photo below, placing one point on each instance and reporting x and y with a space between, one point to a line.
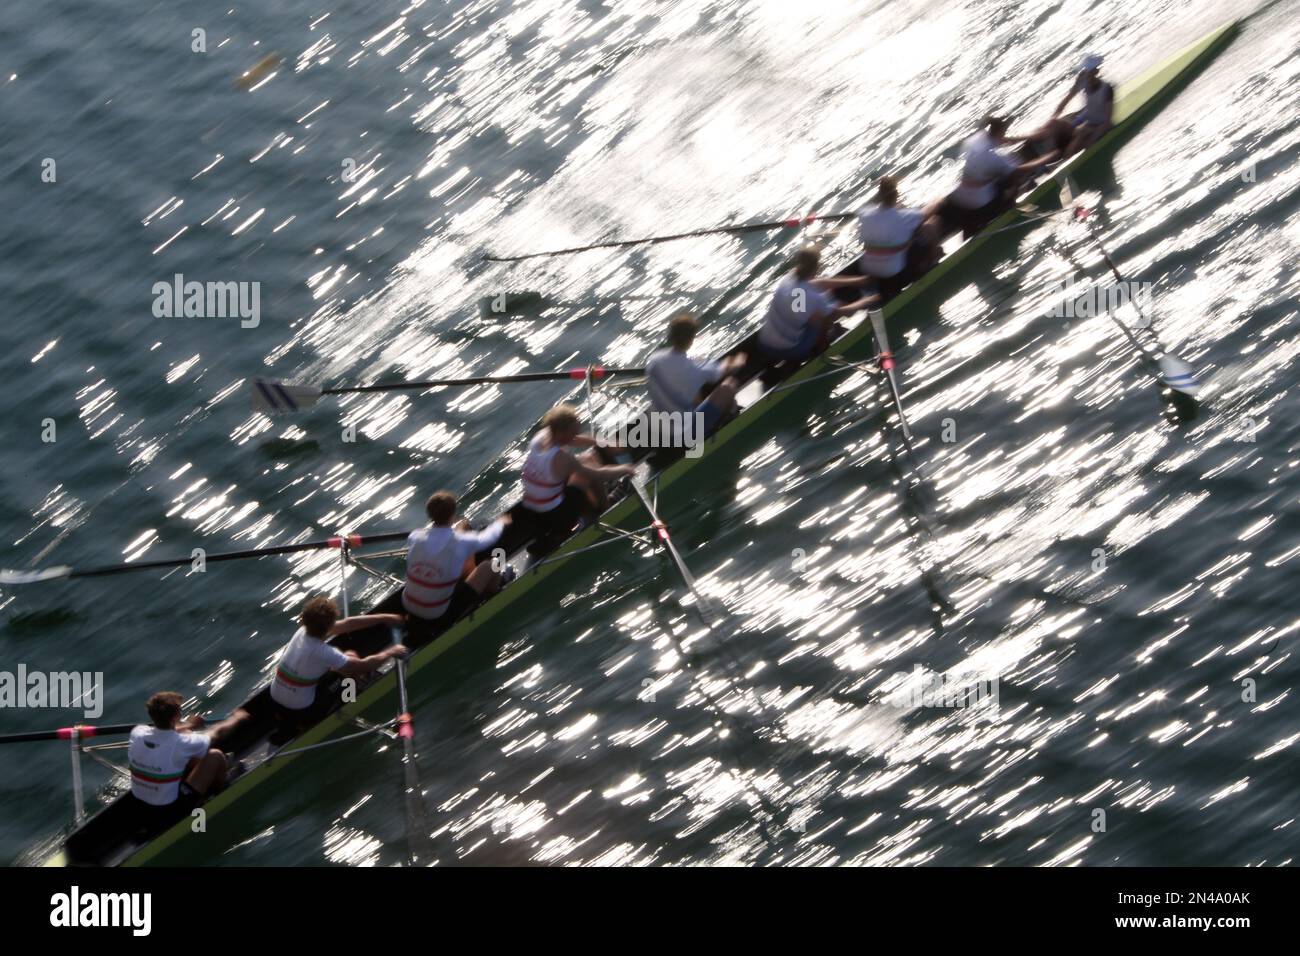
270 396
877 318
32 577
1068 192
505 304
1179 376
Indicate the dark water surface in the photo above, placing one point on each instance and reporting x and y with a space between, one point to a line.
1127 580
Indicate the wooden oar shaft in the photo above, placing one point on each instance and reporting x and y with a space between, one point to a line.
596 372
65 733
793 223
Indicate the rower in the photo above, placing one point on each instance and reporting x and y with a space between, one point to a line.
899 245
442 583
561 489
1063 136
680 384
173 765
990 181
798 320
308 657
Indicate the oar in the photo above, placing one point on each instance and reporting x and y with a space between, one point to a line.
885 359
272 396
739 686
665 539
65 733
417 829
503 304
707 615
64 571
795 223
1172 371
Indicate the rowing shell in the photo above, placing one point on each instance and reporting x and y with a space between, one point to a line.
105 839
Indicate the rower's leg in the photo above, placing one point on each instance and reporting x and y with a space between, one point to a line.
597 498
1085 136
484 579
221 732
1036 136
209 771
723 398
931 234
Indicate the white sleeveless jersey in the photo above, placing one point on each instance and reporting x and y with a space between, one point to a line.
435 557
983 167
886 232
542 492
1094 102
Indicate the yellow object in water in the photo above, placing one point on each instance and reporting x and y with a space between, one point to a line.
258 71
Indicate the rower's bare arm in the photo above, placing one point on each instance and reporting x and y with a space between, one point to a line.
1066 102
1045 160
866 302
587 441
734 363
488 536
221 728
359 621
602 472
364 665
828 284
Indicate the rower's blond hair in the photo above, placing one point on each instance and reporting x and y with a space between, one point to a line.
562 418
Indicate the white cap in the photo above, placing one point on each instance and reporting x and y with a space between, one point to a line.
1090 62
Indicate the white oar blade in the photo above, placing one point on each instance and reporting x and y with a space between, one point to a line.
1179 376
270 396
878 326
31 577
1068 192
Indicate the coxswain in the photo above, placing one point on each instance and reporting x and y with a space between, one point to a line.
898 244
309 656
799 316
1063 136
990 181
175 764
444 580
678 383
